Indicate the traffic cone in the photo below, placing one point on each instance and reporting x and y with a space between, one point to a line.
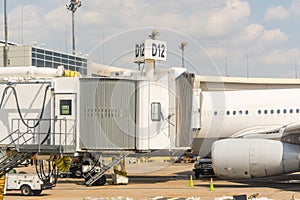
211 185
191 181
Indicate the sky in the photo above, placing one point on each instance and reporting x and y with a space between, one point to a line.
225 37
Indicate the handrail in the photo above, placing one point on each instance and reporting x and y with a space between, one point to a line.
61 131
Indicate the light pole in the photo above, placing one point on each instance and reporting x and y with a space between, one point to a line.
72 6
182 47
5 51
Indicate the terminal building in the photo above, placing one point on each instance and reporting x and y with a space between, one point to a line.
40 57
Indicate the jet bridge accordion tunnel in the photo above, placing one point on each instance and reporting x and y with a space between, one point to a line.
120 114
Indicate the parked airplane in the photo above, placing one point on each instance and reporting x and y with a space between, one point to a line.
253 133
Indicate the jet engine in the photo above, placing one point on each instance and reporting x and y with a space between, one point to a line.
249 158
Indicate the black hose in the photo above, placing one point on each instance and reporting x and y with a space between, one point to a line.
41 173
18 106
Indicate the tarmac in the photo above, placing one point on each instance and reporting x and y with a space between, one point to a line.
163 180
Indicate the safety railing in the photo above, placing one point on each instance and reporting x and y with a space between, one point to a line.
47 135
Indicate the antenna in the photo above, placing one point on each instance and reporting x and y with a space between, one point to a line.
226 66
5 61
296 69
247 66
22 29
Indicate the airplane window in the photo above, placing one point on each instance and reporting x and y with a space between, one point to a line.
240 112
216 113
227 112
278 111
291 110
221 112
259 111
234 112
272 111
284 111
246 112
297 110
266 112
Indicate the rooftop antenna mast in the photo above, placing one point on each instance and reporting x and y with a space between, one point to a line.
5 52
72 6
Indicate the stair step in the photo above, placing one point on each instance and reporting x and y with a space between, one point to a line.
92 177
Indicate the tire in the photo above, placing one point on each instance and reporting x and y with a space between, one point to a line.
197 174
101 181
78 173
36 192
26 190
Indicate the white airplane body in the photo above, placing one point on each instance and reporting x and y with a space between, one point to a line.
262 128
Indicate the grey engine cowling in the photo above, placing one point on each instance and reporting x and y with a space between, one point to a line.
248 158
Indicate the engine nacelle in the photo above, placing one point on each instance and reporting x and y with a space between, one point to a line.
248 158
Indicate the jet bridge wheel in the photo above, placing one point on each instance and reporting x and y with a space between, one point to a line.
26 190
101 181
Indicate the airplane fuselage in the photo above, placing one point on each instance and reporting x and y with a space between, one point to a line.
225 114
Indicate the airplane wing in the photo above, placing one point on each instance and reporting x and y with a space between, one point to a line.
271 132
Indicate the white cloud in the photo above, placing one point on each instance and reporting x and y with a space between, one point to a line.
58 18
280 57
275 35
252 32
278 12
256 35
227 19
295 7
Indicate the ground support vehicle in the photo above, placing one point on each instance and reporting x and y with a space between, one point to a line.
28 184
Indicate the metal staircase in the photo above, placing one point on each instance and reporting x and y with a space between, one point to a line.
95 174
10 157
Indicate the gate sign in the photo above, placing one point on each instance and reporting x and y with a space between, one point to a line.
150 49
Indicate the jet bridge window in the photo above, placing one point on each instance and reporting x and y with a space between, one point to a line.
155 111
66 107
259 112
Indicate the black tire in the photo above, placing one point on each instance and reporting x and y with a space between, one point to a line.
26 190
77 173
36 192
101 181
197 174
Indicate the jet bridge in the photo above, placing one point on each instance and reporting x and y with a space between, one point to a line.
145 111
71 115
